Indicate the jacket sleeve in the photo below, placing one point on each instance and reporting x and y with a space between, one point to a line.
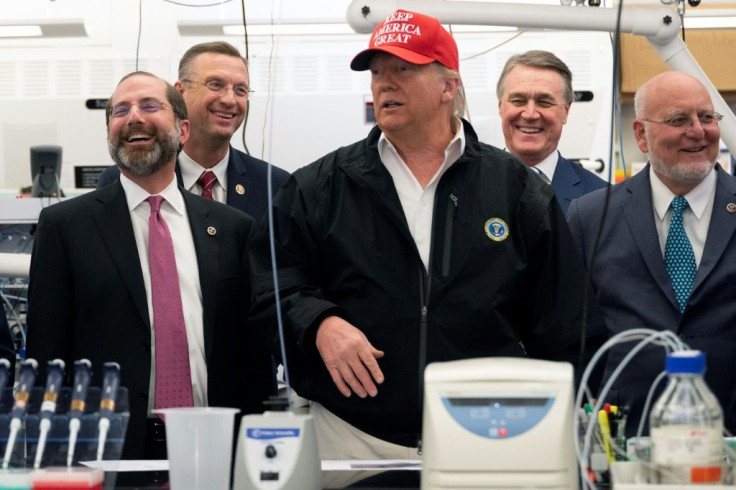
50 296
566 324
295 233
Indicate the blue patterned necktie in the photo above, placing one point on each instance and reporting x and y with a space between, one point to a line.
678 255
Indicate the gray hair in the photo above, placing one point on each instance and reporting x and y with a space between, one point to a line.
459 102
640 98
538 58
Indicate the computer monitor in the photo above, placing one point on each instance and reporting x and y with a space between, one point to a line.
45 170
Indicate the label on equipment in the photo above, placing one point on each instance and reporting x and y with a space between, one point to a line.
270 433
687 454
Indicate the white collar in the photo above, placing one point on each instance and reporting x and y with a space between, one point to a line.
135 194
549 164
191 170
697 198
459 139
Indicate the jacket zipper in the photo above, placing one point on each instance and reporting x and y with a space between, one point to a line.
424 286
449 222
422 348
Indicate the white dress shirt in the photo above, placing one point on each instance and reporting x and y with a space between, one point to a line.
174 212
418 203
191 171
695 219
548 165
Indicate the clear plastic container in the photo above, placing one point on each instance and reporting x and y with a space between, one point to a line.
686 425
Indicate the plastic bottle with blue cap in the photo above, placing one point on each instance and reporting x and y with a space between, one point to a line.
686 425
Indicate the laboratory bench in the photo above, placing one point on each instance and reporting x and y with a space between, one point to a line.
152 480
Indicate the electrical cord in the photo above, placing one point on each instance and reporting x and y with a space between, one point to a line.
271 233
48 202
492 48
245 30
14 312
277 293
140 30
269 92
604 212
648 401
247 58
666 338
21 247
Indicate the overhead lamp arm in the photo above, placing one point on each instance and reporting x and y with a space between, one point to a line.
659 26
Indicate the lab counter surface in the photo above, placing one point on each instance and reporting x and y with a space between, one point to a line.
398 479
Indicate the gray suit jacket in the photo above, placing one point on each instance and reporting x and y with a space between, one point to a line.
631 282
87 300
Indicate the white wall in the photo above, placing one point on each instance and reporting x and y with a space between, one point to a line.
307 101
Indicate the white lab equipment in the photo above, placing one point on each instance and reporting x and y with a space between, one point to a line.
498 423
277 450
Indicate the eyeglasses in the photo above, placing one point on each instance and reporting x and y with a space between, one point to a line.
218 86
682 124
150 106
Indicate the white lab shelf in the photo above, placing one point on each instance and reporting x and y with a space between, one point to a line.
623 474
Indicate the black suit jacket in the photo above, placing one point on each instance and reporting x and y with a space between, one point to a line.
242 170
87 300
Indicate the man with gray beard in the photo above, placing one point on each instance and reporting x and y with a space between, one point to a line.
666 254
100 289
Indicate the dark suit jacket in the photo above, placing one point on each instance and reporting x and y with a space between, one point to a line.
87 300
571 181
631 282
242 170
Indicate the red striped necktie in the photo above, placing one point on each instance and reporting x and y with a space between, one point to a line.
207 181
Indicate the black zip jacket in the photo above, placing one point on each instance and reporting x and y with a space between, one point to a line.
504 277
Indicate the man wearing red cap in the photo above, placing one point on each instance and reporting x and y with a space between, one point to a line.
415 245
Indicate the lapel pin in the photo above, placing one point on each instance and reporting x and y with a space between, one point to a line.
731 207
240 189
211 231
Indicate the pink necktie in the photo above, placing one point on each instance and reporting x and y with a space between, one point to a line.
173 378
207 181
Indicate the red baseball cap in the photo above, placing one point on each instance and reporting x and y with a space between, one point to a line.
413 37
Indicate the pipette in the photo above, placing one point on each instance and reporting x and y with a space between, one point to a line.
110 383
25 385
82 374
54 376
4 375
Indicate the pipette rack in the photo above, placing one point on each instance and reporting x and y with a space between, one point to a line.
57 440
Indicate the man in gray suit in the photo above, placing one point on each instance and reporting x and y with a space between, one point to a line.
632 265
534 96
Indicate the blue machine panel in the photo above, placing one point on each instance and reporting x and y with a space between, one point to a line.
498 417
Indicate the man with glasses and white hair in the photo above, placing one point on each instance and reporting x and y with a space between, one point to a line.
150 276
666 254
214 81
